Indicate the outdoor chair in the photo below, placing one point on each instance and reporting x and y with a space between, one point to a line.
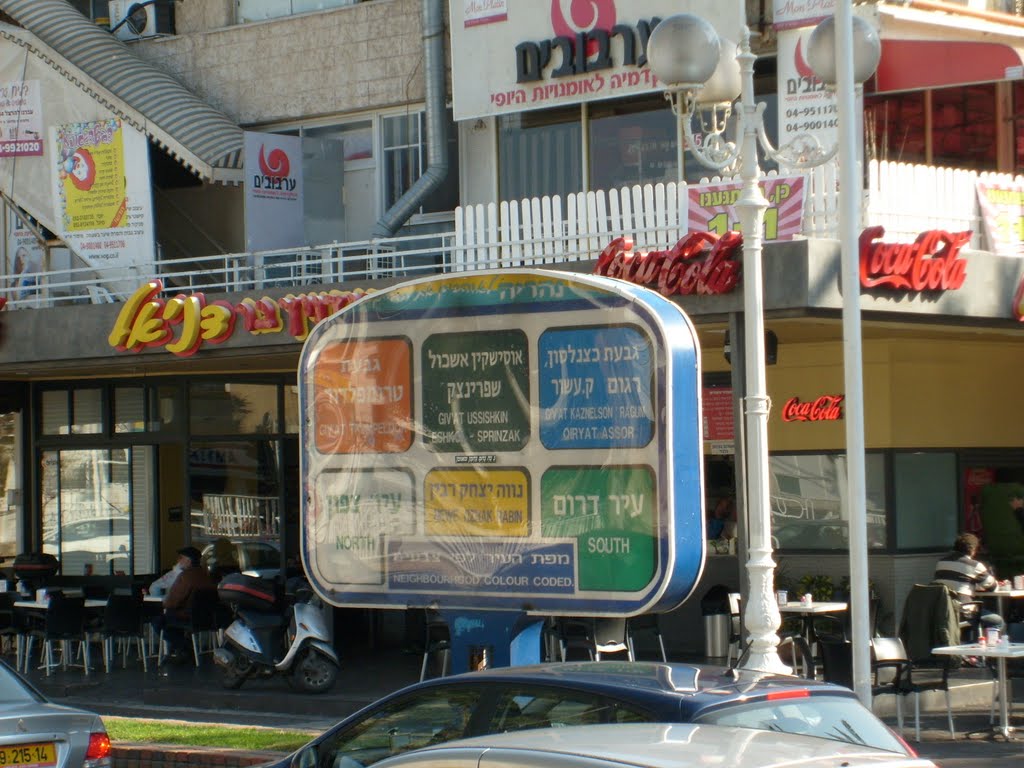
437 640
735 628
794 651
122 623
201 626
644 623
890 675
836 660
593 636
64 623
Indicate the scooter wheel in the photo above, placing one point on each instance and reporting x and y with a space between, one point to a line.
234 674
313 672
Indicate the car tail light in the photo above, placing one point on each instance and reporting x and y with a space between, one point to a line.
910 750
797 694
98 753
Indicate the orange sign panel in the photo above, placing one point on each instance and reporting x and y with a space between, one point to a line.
363 397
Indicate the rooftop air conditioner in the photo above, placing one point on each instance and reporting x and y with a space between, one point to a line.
133 19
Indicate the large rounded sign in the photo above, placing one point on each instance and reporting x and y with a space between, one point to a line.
523 440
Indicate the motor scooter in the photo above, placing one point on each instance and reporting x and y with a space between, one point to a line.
275 633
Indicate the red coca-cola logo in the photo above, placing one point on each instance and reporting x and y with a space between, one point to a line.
677 270
825 408
930 263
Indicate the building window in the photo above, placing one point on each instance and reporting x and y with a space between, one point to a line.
539 153
232 408
809 505
261 10
926 498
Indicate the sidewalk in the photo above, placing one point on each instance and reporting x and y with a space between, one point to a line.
195 695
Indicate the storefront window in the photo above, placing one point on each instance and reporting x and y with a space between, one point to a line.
235 491
925 496
97 510
809 502
129 409
632 142
232 408
10 493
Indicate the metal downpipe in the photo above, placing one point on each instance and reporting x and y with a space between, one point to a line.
437 140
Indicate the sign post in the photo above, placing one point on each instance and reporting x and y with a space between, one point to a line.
503 447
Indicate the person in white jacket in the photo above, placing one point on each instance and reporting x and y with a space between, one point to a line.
162 585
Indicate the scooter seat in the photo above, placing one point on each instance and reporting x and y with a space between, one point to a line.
261 620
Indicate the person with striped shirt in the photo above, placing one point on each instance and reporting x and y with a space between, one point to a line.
961 572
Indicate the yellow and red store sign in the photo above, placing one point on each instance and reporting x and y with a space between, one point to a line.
184 323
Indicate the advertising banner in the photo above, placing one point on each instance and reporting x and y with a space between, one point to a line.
24 255
103 201
1002 216
21 119
789 14
712 207
273 192
518 441
536 54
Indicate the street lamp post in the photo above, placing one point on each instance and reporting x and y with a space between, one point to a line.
683 52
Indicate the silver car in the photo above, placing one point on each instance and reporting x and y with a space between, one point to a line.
642 745
35 731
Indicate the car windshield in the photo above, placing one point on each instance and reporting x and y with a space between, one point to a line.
831 717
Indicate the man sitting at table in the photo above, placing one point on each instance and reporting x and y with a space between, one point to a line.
193 578
961 572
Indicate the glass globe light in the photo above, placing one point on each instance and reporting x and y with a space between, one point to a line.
683 50
821 50
725 83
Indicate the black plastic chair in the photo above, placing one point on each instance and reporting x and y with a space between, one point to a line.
836 660
9 625
64 623
123 621
202 625
735 626
890 674
794 650
593 636
644 623
437 640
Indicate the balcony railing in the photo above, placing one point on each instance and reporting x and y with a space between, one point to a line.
905 199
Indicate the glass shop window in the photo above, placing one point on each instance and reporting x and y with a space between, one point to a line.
235 490
925 494
633 142
76 411
232 408
808 501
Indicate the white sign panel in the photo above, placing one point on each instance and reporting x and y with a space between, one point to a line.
25 257
789 14
805 106
549 53
477 12
103 204
21 119
273 192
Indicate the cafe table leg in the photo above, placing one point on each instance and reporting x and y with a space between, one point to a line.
1004 705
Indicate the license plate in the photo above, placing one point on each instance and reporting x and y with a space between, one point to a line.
28 755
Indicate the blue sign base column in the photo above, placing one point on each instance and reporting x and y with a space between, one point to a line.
482 639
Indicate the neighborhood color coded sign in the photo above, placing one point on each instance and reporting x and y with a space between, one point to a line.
526 441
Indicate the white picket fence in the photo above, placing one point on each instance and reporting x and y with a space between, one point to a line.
905 199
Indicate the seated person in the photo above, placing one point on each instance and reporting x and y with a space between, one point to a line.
961 572
194 577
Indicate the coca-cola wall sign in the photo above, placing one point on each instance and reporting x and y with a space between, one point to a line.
823 408
930 263
700 263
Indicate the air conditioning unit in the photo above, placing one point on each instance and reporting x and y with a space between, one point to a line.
134 19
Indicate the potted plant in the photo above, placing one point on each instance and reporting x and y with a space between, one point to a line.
819 586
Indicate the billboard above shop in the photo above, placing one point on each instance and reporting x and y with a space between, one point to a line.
525 440
534 54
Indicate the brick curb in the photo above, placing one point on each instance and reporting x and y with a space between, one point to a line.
174 756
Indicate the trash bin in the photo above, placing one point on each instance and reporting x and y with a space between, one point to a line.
716 635
717 621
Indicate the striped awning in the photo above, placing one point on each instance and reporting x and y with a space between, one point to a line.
200 137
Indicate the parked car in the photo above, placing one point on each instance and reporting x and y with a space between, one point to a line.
646 745
35 731
585 693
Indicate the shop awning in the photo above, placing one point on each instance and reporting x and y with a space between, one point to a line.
90 58
928 49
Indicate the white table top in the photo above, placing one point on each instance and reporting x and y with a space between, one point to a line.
822 607
1004 650
43 605
1000 593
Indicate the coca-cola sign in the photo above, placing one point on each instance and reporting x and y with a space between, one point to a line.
930 263
825 408
679 270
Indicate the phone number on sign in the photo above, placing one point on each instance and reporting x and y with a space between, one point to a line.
811 125
21 148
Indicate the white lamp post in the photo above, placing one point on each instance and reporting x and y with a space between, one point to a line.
683 52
